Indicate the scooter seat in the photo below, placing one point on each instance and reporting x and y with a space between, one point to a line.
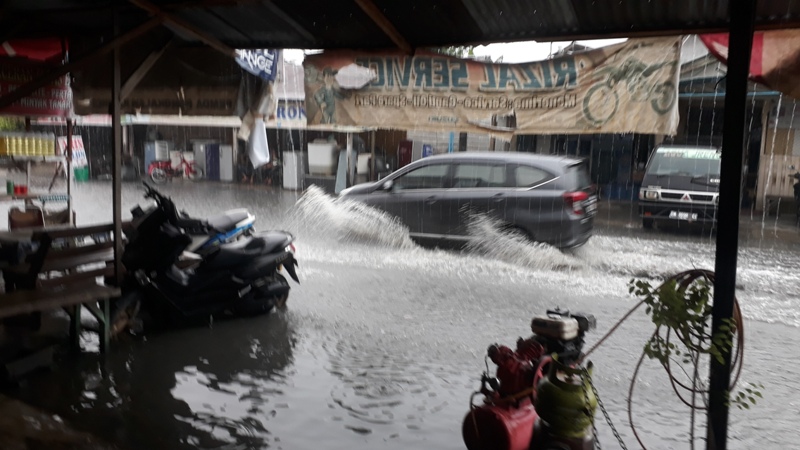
243 251
227 221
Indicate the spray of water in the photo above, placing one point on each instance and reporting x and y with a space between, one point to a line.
489 238
350 220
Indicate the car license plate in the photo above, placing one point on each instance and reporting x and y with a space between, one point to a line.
591 205
682 215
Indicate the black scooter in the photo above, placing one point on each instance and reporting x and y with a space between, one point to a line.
167 286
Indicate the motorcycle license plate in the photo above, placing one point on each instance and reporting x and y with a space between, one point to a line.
682 215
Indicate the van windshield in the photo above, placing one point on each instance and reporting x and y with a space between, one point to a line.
685 161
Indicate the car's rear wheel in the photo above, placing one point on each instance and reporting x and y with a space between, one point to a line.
516 231
647 224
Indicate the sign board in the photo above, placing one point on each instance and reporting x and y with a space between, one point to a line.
775 59
262 63
55 99
628 87
288 114
78 151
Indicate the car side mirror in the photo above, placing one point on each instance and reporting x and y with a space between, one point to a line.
387 185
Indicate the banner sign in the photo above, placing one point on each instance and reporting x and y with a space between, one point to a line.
78 151
775 58
262 63
628 87
55 99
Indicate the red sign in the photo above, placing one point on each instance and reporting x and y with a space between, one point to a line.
54 99
36 49
78 151
775 59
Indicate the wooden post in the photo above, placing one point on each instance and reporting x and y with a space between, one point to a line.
68 169
372 175
116 156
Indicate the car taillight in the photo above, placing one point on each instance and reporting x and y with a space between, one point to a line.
572 200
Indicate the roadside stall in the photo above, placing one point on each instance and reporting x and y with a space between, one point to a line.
37 176
47 263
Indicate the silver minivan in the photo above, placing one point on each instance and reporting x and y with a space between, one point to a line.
548 198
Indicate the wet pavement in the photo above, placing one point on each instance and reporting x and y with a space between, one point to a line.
384 341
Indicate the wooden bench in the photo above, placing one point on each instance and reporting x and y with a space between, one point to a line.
68 270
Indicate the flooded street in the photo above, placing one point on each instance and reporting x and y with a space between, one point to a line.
384 341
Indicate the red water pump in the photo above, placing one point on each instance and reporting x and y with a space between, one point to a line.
508 416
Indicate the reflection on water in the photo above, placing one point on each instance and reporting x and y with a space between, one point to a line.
186 389
384 340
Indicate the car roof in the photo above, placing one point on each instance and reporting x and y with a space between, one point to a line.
548 161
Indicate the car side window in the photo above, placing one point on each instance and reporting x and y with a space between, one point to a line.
527 176
433 176
479 175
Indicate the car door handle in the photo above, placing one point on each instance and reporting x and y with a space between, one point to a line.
431 200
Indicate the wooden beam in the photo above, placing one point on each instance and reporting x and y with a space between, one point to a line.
185 27
49 77
384 24
140 72
196 4
116 156
274 9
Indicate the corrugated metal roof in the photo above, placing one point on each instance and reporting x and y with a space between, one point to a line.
422 23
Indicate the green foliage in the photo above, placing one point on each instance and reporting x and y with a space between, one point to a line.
746 397
684 312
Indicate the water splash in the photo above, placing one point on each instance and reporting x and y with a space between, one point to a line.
350 220
489 238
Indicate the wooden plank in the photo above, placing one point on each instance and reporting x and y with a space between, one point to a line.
384 24
30 301
186 27
140 72
74 278
71 262
67 232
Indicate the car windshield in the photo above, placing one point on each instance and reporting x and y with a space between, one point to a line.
690 162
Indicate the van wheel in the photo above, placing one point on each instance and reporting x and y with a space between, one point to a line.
647 224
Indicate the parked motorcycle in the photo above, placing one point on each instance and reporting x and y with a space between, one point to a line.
161 171
168 286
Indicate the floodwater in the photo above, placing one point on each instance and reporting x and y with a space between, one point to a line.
384 341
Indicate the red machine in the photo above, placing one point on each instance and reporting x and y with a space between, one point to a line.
510 417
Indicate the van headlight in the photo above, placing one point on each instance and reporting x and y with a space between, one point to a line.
646 194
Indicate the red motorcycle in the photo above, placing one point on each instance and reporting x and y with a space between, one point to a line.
161 171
